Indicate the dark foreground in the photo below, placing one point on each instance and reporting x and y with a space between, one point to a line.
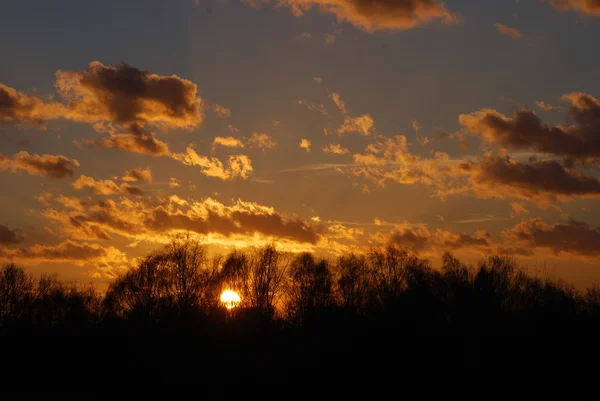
358 322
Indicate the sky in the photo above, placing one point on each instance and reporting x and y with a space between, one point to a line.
325 126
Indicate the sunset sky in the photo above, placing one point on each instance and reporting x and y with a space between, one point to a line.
326 126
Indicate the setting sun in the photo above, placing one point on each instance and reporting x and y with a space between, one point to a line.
230 299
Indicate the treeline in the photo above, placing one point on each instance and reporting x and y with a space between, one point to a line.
178 289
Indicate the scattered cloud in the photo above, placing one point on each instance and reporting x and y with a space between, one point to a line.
104 187
335 149
262 141
363 124
509 31
305 144
173 182
221 111
45 165
237 165
228 142
314 107
137 175
338 102
545 106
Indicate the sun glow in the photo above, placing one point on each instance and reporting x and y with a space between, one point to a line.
230 299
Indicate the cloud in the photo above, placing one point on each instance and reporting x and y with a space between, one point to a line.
9 237
305 144
330 39
173 182
126 96
138 174
232 128
418 237
228 142
518 208
158 218
340 231
101 259
542 180
261 141
338 102
314 107
525 130
318 79
304 35
105 187
363 124
45 165
573 237
138 141
508 31
586 6
221 111
18 107
374 15
545 106
45 198
237 165
335 149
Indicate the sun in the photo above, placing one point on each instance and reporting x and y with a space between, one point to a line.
230 299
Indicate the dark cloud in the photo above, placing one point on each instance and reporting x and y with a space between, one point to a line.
525 130
126 96
8 236
136 142
504 177
419 238
45 165
573 237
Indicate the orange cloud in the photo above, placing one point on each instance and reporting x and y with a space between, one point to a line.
139 142
107 260
18 107
305 144
156 219
45 165
261 141
363 124
314 107
138 174
508 31
237 165
335 149
104 187
338 102
228 142
374 15
591 7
